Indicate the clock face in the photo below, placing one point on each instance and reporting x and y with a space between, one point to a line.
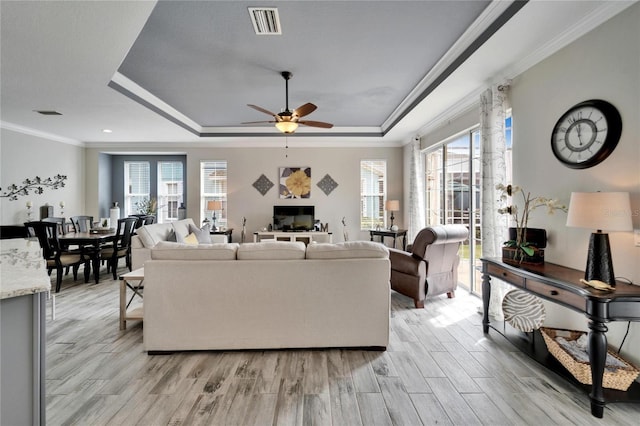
586 134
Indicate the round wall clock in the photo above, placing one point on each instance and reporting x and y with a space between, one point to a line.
586 134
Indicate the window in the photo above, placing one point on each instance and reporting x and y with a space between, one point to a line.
373 191
213 187
170 190
136 185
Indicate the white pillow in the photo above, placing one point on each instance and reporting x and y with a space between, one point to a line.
347 250
181 228
271 250
201 234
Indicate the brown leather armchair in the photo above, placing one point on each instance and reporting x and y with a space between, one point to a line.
430 267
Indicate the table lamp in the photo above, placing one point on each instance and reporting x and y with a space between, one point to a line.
608 211
214 205
392 205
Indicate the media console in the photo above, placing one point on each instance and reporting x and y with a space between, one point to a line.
305 237
562 285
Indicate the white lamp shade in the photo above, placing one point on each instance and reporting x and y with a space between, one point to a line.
606 211
392 205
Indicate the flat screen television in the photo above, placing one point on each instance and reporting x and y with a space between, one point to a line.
293 218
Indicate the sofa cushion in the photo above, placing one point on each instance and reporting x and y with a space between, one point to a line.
347 250
165 250
154 233
272 250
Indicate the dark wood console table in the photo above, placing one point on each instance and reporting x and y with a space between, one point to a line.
562 285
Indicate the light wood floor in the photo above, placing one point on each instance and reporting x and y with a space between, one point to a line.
439 369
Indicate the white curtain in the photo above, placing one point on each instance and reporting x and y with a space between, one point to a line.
494 103
416 191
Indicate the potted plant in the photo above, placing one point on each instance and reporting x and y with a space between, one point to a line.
147 206
525 245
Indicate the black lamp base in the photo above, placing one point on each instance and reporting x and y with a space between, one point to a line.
392 219
599 262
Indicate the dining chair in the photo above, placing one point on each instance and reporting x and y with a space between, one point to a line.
82 223
47 233
121 246
60 221
62 229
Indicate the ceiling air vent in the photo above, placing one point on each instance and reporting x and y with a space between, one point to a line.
47 112
265 20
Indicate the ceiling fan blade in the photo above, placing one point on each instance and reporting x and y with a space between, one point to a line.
256 122
257 108
305 109
316 124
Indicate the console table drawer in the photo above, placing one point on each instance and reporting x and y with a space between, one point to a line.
557 294
505 275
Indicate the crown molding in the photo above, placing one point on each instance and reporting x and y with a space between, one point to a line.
496 14
37 133
605 11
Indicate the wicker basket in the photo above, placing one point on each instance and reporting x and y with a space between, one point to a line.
617 378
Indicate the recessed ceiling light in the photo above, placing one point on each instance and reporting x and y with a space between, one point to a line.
107 131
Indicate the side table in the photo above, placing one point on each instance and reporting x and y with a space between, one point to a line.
389 233
226 232
133 280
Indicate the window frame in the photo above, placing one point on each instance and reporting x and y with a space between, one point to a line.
367 193
129 196
221 215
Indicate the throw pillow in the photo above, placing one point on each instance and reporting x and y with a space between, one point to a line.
202 235
191 239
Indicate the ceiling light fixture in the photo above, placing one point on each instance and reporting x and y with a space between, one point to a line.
287 126
107 131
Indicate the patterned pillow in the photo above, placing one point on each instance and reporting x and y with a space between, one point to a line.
191 239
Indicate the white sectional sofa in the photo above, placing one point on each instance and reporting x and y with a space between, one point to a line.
266 295
149 235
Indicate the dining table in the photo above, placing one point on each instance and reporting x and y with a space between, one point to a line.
91 243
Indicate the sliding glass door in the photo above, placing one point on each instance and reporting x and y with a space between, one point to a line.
453 196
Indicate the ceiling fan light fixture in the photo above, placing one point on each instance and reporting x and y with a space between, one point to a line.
287 126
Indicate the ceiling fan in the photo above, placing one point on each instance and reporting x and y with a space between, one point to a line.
287 121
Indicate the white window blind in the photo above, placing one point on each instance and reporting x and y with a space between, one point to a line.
136 185
213 187
170 190
373 190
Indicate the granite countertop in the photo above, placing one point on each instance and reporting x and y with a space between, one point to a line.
23 271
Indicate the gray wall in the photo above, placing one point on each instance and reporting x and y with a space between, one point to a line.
25 157
603 64
116 171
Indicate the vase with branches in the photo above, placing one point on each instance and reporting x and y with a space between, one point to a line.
148 206
520 216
